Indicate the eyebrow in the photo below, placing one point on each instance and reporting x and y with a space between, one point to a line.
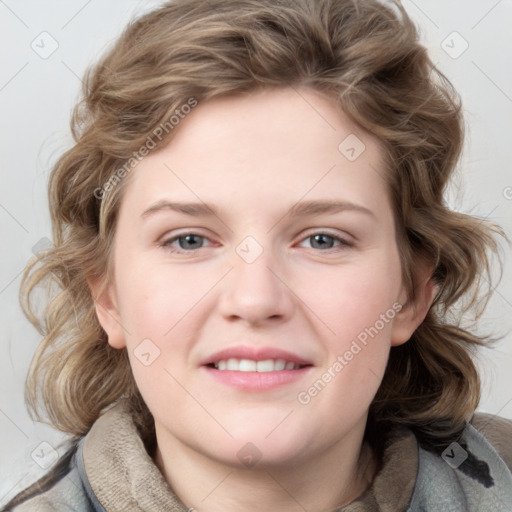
192 209
300 209
306 208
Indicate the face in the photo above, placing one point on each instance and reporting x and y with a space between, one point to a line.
257 282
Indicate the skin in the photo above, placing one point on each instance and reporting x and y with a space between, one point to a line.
253 157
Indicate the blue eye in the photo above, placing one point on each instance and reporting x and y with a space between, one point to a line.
191 242
325 241
186 242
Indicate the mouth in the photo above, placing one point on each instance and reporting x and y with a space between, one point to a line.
250 365
251 369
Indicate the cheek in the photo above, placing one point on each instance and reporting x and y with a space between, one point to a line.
159 318
365 315
161 309
154 299
355 297
357 307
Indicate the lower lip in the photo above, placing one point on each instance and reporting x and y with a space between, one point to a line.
257 381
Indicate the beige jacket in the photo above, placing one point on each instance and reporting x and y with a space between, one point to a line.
111 471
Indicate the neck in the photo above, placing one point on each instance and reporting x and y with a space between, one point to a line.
323 482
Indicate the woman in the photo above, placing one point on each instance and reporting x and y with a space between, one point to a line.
258 271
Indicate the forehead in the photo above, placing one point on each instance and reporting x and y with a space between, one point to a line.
271 145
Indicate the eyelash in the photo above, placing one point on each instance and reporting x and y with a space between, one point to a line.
343 243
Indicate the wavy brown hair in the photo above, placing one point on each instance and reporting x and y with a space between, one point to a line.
364 55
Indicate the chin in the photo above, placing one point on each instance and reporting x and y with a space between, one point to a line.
257 455
262 442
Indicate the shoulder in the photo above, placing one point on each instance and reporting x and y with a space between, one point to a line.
498 431
62 489
66 494
471 474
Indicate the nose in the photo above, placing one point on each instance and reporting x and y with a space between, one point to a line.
256 292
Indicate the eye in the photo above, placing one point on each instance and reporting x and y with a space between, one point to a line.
325 241
186 242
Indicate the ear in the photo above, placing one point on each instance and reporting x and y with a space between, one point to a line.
414 311
107 313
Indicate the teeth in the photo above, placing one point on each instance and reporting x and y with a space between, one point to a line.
245 365
232 364
248 365
279 364
264 366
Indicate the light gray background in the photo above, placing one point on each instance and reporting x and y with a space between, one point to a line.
36 97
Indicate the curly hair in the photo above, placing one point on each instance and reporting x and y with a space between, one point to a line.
367 57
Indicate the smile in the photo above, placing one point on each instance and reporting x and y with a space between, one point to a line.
250 365
256 369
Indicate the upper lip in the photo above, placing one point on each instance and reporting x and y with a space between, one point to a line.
255 354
